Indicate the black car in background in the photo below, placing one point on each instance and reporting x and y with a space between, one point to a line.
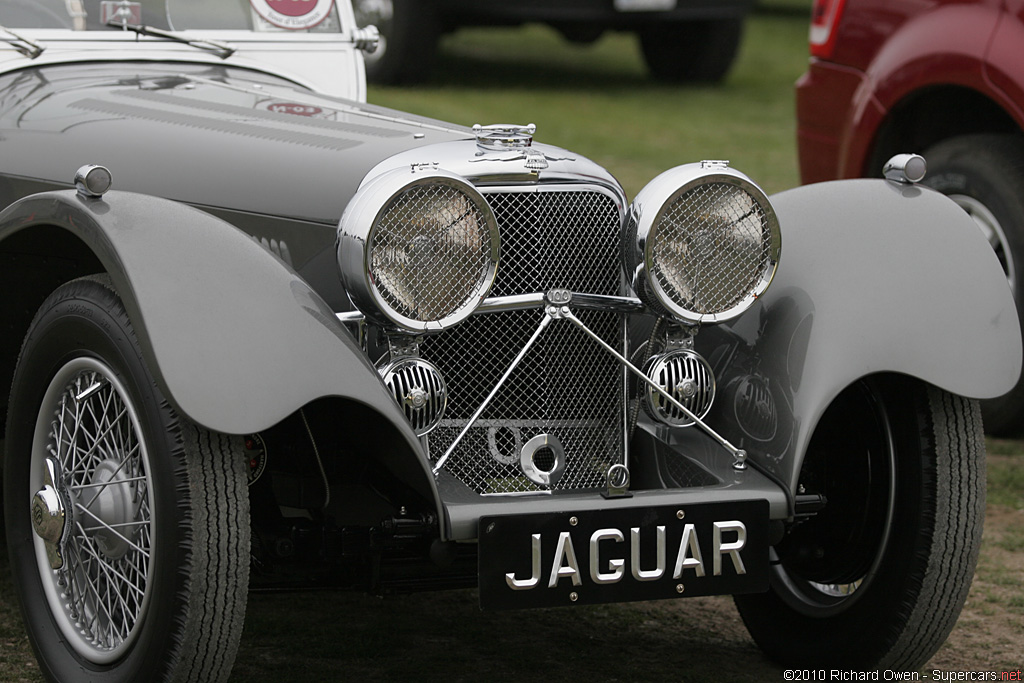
682 40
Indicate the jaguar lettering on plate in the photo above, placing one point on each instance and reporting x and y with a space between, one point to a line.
611 555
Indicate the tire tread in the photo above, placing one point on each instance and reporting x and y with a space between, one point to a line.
960 494
218 512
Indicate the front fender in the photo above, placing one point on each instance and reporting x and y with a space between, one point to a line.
236 340
875 277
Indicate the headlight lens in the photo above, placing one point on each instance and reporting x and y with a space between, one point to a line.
419 254
701 243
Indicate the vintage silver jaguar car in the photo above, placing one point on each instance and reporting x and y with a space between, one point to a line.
258 334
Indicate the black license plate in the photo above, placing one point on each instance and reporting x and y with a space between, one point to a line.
617 555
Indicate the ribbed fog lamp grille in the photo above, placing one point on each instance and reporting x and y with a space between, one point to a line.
687 377
419 389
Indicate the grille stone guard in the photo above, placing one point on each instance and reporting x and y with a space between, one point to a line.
564 312
556 384
557 307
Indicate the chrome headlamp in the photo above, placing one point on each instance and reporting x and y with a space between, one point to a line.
418 251
702 243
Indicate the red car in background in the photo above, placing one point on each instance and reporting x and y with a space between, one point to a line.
944 78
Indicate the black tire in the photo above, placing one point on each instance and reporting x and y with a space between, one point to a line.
409 32
984 174
877 579
692 51
163 597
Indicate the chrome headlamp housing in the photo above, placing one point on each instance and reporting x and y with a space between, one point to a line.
701 243
418 250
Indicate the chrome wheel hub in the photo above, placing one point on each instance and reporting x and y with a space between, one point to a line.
48 515
91 510
113 508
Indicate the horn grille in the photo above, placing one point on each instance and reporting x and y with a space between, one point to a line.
687 377
420 391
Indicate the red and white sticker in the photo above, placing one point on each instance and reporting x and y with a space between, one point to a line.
294 108
295 15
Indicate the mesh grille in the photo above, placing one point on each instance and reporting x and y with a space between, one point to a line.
430 253
685 473
559 239
714 244
566 385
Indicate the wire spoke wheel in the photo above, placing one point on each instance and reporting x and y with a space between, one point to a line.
983 174
993 232
89 432
127 525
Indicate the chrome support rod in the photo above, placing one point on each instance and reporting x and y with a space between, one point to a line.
554 305
739 454
497 387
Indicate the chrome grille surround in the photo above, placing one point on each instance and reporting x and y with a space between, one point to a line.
702 243
561 236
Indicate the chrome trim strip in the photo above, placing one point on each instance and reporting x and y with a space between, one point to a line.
352 317
513 494
515 302
594 302
519 302
601 302
544 168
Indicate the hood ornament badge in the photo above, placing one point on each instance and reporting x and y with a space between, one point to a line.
502 136
513 143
